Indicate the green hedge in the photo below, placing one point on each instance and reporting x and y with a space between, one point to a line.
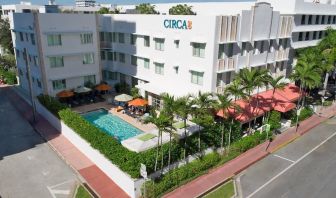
274 120
9 76
53 105
305 113
182 175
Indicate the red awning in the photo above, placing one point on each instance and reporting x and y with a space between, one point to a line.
280 101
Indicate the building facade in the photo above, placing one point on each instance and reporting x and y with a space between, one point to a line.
85 3
172 54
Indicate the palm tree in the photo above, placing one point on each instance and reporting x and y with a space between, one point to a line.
327 65
180 9
146 8
224 104
183 109
261 79
160 121
275 83
202 105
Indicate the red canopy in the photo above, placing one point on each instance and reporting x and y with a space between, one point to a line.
281 101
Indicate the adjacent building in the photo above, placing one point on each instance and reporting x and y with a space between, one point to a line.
164 53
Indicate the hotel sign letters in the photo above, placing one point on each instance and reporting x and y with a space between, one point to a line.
177 24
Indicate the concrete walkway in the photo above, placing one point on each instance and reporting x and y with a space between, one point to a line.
204 183
100 183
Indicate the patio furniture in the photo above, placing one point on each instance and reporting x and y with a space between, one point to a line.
103 87
119 108
123 98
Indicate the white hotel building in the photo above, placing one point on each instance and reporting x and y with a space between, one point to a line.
178 55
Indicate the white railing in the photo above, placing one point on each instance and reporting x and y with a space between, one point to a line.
227 64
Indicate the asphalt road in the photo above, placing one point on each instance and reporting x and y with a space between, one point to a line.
304 168
28 166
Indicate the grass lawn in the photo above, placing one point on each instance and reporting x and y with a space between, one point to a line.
224 191
82 193
146 137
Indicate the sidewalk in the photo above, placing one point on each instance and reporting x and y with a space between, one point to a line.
100 183
216 176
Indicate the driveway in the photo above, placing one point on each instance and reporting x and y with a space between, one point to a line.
28 166
304 168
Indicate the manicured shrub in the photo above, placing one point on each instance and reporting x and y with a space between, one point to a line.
9 76
327 103
305 113
52 104
274 120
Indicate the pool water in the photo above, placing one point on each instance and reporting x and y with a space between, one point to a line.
111 124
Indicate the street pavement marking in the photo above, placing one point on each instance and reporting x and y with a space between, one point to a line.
290 166
54 192
283 158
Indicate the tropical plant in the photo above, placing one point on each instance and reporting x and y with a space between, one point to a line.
181 10
135 92
275 83
103 10
6 36
146 8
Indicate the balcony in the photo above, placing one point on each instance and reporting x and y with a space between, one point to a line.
281 55
227 64
105 45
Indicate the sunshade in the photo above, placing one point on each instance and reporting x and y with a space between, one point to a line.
82 90
139 102
65 94
103 87
123 98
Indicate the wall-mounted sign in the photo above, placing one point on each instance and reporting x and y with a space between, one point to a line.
177 24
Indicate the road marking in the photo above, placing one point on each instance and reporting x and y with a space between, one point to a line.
61 183
283 158
290 166
58 192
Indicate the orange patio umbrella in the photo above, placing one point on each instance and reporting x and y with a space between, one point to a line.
65 94
139 102
103 87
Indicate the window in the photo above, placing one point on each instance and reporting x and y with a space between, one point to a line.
221 52
271 46
27 37
102 36
146 63
314 35
21 36
121 37
90 79
102 55
56 61
59 84
35 60
20 72
133 39
88 58
303 19
156 101
230 50
320 34
159 68
134 60
122 57
300 36
307 36
329 20
146 41
108 75
198 49
334 20
317 19
310 19
114 37
30 58
54 40
177 43
244 49
32 38
110 56
86 38
115 56
159 44
196 77
323 19
176 68
39 83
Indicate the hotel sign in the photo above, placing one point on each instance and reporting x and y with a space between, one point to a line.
177 24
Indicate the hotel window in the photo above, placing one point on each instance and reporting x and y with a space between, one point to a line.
110 37
110 56
317 19
121 37
198 49
115 56
310 19
314 35
56 61
146 41
102 55
90 79
122 57
134 60
146 63
54 40
159 68
59 84
17 53
86 38
102 36
20 72
303 19
111 75
21 36
334 20
156 101
323 19
244 49
196 77
159 44
176 68
133 39
300 36
271 46
329 19
177 43
320 34
307 36
32 38
88 58
230 50
27 37
39 83
114 37
221 51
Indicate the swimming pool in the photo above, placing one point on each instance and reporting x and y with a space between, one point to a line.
111 124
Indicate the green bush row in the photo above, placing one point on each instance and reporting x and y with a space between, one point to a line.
182 175
9 76
274 120
305 113
53 105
